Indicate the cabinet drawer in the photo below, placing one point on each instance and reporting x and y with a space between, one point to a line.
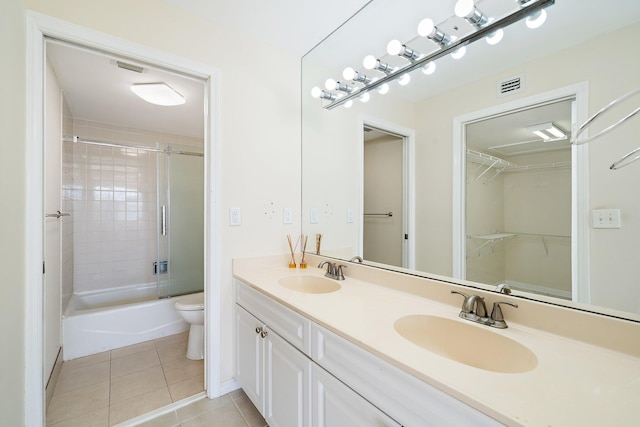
287 323
404 397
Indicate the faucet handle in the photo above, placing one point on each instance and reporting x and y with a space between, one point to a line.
497 316
466 296
339 274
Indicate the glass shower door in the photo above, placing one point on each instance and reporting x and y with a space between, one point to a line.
181 237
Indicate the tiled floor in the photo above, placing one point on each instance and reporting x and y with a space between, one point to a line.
107 388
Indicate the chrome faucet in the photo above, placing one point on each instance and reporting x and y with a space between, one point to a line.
333 271
503 288
357 258
475 310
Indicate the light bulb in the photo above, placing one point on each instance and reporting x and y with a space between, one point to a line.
365 97
459 52
316 92
429 68
384 88
348 104
426 27
537 19
370 62
330 84
495 37
349 73
394 47
464 8
404 79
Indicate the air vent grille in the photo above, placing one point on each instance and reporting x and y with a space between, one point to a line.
511 85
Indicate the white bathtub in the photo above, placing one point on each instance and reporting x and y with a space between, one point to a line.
116 318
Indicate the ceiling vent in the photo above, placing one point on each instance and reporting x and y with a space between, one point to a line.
130 67
511 86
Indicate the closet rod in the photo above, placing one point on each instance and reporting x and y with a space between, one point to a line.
77 139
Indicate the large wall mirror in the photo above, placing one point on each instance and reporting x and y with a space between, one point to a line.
447 168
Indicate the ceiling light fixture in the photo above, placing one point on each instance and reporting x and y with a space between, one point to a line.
548 131
158 94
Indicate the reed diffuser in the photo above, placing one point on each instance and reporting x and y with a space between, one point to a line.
303 245
292 262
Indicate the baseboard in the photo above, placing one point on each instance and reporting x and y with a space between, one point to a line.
53 378
229 386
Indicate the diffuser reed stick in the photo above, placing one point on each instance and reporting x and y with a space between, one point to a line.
292 263
318 242
303 245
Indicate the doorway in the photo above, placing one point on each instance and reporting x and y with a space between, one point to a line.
387 195
39 27
552 247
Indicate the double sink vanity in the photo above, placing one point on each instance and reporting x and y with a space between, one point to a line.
388 349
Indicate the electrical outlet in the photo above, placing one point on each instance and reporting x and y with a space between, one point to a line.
287 216
235 216
606 218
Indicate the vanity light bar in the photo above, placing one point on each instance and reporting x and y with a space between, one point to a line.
521 13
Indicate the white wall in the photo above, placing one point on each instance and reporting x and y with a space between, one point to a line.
13 179
259 135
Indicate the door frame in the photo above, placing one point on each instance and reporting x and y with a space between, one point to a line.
38 27
579 183
408 184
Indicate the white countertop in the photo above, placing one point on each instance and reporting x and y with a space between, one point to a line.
573 384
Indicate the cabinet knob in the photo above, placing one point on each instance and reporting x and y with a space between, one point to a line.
264 334
258 329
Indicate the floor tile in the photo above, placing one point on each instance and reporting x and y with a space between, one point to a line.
249 412
132 349
85 361
131 408
187 388
166 420
66 406
98 418
171 350
183 369
137 383
226 415
82 377
134 363
201 406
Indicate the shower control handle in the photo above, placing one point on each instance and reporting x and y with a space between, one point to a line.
258 329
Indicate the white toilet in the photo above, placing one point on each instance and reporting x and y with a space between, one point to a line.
191 308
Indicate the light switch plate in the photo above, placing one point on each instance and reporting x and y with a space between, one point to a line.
287 216
350 217
313 216
606 218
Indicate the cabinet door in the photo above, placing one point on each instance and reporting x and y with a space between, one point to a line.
288 384
336 405
250 357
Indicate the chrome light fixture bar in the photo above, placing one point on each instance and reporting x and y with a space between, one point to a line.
525 11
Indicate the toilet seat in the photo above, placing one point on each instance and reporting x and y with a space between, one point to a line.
192 302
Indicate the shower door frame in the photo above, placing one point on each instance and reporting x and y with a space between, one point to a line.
38 27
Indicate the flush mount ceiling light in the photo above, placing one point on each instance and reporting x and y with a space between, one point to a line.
158 94
548 131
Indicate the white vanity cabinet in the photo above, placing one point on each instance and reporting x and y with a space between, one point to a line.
298 373
274 375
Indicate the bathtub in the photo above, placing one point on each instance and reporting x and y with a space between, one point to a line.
115 318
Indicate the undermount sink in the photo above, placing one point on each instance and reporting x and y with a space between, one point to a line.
310 284
466 343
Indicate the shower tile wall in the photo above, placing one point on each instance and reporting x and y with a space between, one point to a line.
115 205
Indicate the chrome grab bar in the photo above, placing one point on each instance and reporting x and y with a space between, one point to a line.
163 220
379 214
58 214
